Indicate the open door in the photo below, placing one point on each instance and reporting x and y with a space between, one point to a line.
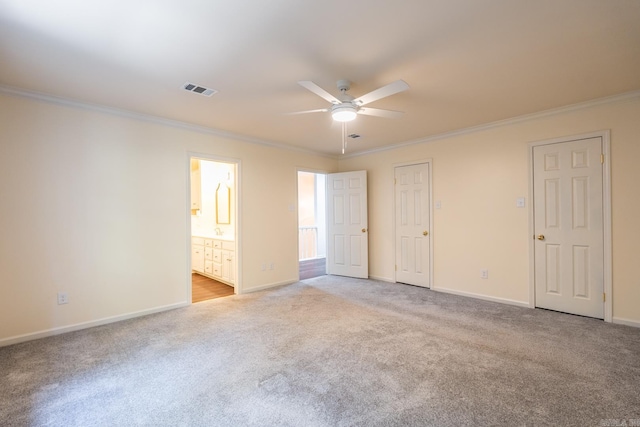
347 242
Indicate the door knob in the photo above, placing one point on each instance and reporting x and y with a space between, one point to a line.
540 236
364 230
425 233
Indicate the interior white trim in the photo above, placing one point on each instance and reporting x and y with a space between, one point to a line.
429 162
628 322
606 206
384 279
14 91
482 297
269 286
624 97
52 99
90 324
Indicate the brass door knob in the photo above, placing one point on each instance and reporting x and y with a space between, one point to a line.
425 233
540 236
364 230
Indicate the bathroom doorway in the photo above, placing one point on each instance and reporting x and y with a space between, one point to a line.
312 228
213 228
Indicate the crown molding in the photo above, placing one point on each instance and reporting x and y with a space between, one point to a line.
67 102
624 97
58 100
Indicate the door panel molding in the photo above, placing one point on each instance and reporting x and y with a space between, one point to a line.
429 226
347 224
606 214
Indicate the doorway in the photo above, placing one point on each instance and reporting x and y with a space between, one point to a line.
312 225
213 228
571 225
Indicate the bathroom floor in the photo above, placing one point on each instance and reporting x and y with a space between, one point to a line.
204 288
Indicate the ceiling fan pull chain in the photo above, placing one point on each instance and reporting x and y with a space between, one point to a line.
344 136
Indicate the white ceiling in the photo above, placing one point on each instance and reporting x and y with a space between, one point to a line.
467 62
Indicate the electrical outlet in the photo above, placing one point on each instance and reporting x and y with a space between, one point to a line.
484 274
272 266
264 266
63 298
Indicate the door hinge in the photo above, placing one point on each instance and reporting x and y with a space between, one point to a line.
604 297
395 181
602 158
396 267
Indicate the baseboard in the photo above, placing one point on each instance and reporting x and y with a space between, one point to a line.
382 279
84 325
482 297
268 286
628 322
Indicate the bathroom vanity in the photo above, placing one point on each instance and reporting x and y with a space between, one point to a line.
214 257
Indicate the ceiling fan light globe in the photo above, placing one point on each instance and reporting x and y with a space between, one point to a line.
344 114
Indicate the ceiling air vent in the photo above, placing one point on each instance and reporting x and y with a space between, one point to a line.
201 90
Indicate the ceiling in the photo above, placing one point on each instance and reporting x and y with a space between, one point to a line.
467 62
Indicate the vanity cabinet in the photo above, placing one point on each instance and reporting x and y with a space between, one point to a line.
197 255
214 258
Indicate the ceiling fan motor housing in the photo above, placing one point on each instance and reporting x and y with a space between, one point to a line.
343 85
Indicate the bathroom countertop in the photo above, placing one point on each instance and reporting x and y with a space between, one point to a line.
226 237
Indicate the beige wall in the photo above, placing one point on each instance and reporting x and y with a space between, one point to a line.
95 204
478 176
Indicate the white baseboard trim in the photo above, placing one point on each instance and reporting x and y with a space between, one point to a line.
628 322
382 279
268 286
524 304
84 325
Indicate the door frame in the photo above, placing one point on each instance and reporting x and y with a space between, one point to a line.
236 201
606 215
429 162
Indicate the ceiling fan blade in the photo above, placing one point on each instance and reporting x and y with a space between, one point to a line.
389 114
383 92
319 91
321 110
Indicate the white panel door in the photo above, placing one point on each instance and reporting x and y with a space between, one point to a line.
348 242
412 224
568 223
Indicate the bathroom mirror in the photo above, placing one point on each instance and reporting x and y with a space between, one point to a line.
223 204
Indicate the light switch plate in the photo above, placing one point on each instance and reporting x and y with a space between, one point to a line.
438 204
520 202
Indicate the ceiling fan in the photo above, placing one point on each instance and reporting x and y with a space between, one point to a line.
345 108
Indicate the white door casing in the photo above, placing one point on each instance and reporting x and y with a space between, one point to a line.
347 229
568 218
412 224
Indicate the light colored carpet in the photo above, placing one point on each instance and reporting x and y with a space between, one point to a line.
329 351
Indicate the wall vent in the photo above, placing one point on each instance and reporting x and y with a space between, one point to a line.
201 90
